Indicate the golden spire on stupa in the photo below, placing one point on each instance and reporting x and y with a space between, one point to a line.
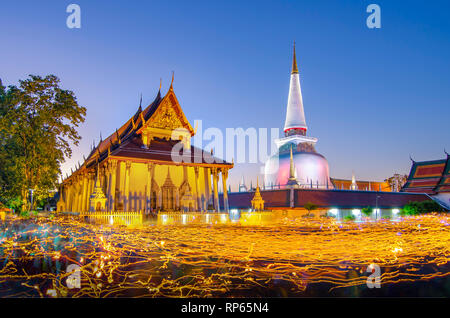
294 63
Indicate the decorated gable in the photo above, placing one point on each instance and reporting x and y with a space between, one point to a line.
167 122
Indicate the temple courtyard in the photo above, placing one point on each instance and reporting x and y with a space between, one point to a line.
248 254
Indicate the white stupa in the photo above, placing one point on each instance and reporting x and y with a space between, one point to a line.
311 168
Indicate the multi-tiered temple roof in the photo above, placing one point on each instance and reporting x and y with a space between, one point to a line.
133 161
163 114
429 177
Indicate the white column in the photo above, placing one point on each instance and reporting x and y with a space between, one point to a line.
127 205
225 189
199 197
112 167
215 173
150 174
207 176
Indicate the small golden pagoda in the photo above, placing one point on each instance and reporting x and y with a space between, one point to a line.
257 201
97 200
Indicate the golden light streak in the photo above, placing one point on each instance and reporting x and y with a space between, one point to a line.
290 257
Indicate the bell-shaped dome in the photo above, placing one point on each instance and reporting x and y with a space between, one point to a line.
302 167
311 170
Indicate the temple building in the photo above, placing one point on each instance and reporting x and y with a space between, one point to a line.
432 178
354 184
147 165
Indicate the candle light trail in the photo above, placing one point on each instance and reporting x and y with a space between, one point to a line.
290 257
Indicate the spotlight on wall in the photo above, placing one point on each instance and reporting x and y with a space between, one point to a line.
356 212
377 213
334 212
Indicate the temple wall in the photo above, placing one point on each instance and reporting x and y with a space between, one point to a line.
138 178
325 198
76 195
362 185
120 177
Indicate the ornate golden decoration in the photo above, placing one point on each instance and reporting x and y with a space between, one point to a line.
166 118
257 201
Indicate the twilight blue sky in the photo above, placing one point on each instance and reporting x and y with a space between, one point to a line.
372 96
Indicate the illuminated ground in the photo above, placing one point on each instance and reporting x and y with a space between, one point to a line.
199 255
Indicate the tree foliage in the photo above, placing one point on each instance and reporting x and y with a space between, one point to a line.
350 217
38 124
367 211
416 208
309 206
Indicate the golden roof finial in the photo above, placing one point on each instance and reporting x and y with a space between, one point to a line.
118 136
160 83
171 84
294 63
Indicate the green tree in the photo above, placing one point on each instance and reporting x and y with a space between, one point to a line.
350 217
416 208
10 160
309 206
367 211
431 206
38 124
